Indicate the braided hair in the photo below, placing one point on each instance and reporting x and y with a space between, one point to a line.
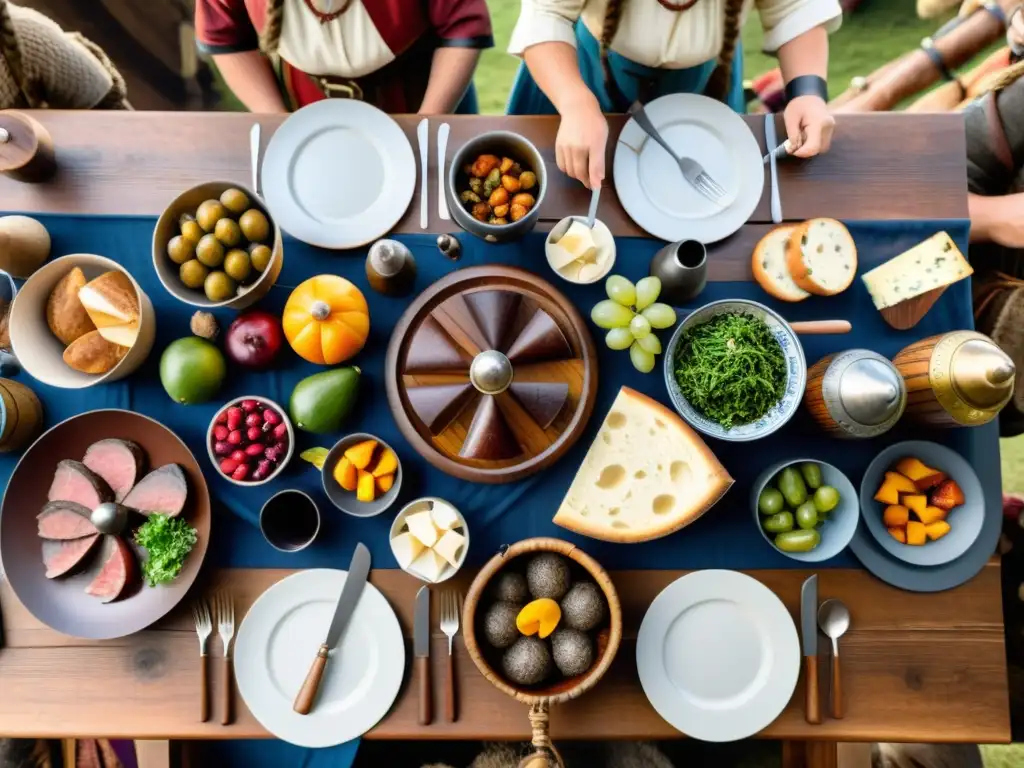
612 17
721 78
270 38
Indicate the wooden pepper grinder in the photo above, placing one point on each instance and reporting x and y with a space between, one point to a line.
390 268
855 394
957 379
26 149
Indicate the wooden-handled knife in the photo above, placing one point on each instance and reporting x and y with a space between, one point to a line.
421 650
809 637
358 571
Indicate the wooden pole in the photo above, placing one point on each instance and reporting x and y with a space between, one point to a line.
915 71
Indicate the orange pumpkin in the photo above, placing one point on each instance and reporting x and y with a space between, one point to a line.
326 320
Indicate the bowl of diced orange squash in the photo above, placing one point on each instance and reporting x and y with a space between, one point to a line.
362 475
923 502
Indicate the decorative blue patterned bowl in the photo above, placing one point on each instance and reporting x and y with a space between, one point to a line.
781 412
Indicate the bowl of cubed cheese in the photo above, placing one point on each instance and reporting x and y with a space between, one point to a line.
581 255
429 539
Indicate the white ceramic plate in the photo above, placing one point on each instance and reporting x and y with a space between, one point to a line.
338 174
718 655
278 641
651 187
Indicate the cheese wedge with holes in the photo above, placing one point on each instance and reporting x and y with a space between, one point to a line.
935 263
822 257
646 475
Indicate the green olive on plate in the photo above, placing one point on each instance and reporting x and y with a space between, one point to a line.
770 502
798 541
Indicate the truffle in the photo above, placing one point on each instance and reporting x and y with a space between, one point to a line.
573 651
204 325
500 624
527 662
510 586
583 606
547 575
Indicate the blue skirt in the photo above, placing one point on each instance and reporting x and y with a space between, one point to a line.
527 99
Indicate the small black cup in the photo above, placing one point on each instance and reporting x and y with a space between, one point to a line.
290 520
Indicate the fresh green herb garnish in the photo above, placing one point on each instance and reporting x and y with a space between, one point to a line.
731 369
168 540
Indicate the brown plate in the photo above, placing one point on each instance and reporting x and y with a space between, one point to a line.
491 374
62 603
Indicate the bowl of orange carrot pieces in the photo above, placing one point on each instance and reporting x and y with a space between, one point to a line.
362 475
923 502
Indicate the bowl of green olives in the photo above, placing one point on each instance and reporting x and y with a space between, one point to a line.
215 245
807 509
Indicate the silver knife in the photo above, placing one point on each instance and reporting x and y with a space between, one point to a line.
421 650
809 637
770 139
442 150
422 131
254 154
358 571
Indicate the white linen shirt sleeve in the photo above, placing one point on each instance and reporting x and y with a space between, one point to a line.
784 20
542 21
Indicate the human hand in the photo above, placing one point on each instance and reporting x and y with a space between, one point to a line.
1008 227
809 125
580 143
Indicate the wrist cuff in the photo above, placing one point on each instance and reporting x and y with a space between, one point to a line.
806 85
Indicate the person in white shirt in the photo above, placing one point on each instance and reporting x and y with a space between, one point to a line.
582 58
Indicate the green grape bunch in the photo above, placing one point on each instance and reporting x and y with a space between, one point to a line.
629 314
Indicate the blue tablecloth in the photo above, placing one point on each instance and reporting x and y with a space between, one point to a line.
724 538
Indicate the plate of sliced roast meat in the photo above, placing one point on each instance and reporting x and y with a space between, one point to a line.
69 516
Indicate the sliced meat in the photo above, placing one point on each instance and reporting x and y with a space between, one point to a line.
163 490
75 482
65 520
117 571
62 557
118 462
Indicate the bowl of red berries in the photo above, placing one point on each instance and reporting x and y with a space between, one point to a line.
250 440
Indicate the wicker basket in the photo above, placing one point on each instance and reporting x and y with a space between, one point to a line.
541 699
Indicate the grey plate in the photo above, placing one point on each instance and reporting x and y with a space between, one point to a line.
346 500
916 578
965 521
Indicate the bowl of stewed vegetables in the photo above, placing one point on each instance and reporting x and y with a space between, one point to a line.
806 509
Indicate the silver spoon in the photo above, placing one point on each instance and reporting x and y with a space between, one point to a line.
834 620
558 231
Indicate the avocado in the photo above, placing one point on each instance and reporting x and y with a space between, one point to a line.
321 402
192 370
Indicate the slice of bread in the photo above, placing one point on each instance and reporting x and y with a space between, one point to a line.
770 269
822 257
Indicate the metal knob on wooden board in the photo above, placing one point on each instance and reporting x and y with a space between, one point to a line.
956 379
26 148
855 394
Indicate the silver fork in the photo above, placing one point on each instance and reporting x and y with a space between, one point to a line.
225 608
692 171
451 604
204 628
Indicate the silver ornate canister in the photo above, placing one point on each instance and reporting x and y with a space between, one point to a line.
855 394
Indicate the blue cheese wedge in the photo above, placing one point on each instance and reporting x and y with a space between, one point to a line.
935 263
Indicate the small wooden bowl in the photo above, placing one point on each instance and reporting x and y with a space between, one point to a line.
609 637
167 227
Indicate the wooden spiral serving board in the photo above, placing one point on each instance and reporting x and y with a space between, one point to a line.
491 374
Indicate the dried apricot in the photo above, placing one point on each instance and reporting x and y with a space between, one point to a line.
483 165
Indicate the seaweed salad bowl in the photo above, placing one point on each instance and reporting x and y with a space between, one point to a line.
791 372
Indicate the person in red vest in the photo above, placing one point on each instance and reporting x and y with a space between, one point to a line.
403 56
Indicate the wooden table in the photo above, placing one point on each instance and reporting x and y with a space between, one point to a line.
916 667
